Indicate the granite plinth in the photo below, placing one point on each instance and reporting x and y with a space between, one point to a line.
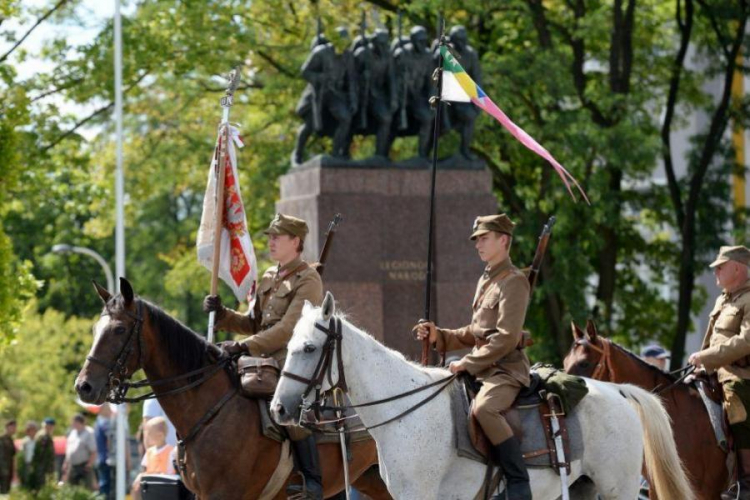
376 267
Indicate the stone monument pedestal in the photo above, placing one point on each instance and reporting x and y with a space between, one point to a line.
377 264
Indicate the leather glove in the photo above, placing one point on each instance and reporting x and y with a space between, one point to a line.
233 348
213 303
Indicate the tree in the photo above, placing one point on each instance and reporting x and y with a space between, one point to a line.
586 78
694 207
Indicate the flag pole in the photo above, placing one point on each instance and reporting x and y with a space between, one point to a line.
221 168
437 100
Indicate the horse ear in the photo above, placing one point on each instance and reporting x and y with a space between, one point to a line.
591 331
126 290
577 333
328 307
103 293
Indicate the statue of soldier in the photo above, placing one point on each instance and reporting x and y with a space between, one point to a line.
461 115
726 351
414 66
377 85
329 101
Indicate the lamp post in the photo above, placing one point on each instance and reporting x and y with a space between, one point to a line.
64 248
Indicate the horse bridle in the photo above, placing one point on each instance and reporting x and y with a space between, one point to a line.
117 373
118 378
604 366
324 368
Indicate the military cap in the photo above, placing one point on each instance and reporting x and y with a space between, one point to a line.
49 421
10 421
654 351
737 253
498 223
286 224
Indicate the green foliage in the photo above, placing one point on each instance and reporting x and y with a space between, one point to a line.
37 369
558 72
54 492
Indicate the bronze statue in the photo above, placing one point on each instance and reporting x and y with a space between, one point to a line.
330 99
461 116
377 85
414 67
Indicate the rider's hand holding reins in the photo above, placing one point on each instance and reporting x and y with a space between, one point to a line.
424 329
233 348
457 367
695 360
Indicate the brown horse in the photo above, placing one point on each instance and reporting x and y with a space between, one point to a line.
225 454
600 358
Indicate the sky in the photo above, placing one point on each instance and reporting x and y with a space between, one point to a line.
91 14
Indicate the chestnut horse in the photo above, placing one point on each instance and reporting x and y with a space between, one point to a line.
225 454
597 357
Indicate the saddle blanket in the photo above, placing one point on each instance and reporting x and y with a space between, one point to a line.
534 438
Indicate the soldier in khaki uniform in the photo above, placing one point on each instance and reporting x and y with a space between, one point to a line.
726 350
282 292
495 333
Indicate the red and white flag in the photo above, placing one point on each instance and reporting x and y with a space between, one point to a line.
237 265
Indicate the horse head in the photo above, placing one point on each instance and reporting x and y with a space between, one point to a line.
116 352
311 363
586 352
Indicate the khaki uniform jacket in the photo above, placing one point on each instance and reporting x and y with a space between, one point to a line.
495 332
281 295
726 345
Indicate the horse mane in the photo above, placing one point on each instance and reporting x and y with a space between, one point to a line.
641 362
186 348
311 314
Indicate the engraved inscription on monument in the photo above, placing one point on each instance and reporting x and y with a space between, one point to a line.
404 270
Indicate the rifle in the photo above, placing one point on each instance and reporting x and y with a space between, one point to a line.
330 233
541 250
403 123
365 71
536 265
317 94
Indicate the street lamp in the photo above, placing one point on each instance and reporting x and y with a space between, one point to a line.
62 249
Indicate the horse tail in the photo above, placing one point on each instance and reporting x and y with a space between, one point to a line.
667 475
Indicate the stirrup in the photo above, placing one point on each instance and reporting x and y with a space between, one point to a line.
300 491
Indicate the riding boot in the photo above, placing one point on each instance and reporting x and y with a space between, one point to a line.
508 456
308 465
741 489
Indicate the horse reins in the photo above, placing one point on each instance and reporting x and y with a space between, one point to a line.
605 365
118 378
323 369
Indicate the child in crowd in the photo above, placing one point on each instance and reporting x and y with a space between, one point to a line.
158 457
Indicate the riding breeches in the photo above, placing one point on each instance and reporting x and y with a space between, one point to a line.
496 396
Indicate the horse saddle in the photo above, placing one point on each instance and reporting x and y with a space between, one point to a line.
530 420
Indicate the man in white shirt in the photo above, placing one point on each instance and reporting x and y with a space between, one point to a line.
80 453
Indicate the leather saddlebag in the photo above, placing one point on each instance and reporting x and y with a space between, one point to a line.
258 376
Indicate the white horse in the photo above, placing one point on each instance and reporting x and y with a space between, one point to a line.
620 423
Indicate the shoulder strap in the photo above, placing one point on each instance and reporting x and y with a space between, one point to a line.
482 292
